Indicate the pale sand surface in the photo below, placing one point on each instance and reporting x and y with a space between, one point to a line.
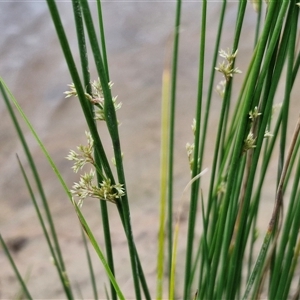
31 63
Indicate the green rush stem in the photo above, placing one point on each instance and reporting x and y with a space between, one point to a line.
61 273
223 114
263 124
296 66
288 86
112 124
278 204
239 248
211 86
195 171
102 37
258 22
20 279
291 264
80 91
67 191
223 216
236 157
98 251
291 44
86 76
90 264
256 198
81 94
82 45
203 250
106 231
214 165
37 179
171 135
164 157
288 241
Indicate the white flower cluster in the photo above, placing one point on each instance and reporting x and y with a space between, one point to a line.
86 187
226 67
96 97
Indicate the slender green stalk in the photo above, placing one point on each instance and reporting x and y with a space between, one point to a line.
220 137
79 214
289 239
85 106
220 128
106 230
58 258
112 124
211 86
61 273
203 245
86 77
17 273
258 5
165 122
241 158
221 225
79 88
173 262
264 120
82 45
276 211
236 160
91 269
195 170
291 43
171 136
255 203
296 66
99 252
102 37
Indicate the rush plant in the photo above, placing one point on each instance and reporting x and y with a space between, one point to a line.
227 261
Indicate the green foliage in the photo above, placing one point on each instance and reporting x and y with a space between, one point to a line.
222 263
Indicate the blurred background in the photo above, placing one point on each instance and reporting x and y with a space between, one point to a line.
33 66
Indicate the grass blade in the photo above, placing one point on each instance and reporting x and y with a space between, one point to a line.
58 175
19 277
91 269
164 179
171 136
59 260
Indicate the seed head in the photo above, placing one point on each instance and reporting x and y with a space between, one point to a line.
96 97
254 114
249 142
226 67
84 156
104 191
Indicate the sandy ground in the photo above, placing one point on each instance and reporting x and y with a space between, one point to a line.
31 63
